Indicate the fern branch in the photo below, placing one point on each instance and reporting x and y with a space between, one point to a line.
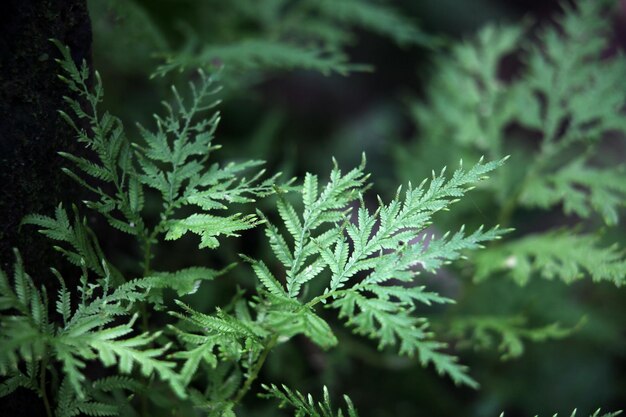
386 245
566 256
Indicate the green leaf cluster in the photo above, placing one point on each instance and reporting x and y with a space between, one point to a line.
371 261
172 160
565 92
336 256
98 328
250 35
552 96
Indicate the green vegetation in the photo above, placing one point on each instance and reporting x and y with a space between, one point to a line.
396 280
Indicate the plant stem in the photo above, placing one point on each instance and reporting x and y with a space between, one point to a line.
506 212
323 297
254 373
42 385
143 310
146 271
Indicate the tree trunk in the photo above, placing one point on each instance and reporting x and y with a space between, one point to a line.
31 134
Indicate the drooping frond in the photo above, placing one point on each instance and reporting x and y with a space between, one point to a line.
376 17
258 53
309 35
209 227
80 246
506 333
183 281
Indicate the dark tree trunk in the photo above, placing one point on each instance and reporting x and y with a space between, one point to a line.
31 134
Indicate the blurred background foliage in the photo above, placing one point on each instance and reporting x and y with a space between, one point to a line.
307 80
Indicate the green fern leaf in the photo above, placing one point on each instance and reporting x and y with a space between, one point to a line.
258 53
375 17
266 278
15 381
480 332
386 245
184 281
83 247
306 406
563 255
581 189
208 227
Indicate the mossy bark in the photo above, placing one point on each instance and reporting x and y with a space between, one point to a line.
31 134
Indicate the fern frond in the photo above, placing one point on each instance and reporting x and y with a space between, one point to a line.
116 382
287 318
267 279
258 53
88 333
476 117
570 115
135 351
15 381
586 95
375 17
581 189
173 161
233 338
222 324
95 402
307 35
184 281
506 333
392 323
562 255
90 338
306 406
82 247
209 227
202 353
108 141
24 321
383 249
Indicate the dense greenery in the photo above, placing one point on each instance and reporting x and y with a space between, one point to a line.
320 267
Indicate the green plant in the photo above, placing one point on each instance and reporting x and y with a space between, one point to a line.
247 36
363 259
332 247
556 110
